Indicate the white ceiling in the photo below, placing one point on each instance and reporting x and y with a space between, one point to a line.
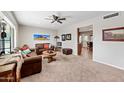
37 18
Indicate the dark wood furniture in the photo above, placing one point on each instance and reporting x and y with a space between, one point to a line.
79 45
67 51
49 55
8 72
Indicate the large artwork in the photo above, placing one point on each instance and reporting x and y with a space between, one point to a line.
113 34
41 37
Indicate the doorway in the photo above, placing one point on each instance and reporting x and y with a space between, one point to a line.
85 41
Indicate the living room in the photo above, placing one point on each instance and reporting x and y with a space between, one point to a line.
107 54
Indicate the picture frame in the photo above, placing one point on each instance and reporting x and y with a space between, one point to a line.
68 36
59 43
63 37
113 34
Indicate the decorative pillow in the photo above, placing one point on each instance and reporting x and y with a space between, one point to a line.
23 48
27 51
46 46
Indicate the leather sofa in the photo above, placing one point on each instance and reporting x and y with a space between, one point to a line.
31 65
40 47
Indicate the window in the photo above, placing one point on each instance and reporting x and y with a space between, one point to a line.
7 43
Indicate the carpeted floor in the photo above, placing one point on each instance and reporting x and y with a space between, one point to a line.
71 68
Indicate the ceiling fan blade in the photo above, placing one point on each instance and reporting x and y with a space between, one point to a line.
54 17
48 18
59 22
62 19
53 21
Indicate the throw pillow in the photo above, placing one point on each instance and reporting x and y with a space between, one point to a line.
27 51
46 46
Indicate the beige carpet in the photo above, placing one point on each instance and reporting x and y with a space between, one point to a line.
70 68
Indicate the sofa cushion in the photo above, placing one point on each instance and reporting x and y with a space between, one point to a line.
40 50
39 46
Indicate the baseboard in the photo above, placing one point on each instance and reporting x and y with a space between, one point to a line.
121 68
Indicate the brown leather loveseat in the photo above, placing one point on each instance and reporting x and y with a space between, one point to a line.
40 47
31 65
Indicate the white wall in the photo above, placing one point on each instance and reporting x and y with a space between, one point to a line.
103 51
26 35
69 43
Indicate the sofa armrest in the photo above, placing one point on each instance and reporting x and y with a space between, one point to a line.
12 62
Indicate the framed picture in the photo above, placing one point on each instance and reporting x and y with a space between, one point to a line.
63 37
68 36
113 34
59 43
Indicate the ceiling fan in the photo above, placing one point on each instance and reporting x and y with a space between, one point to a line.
55 18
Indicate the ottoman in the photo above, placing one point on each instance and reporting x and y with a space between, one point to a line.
67 51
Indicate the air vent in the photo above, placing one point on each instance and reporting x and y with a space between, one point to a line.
111 15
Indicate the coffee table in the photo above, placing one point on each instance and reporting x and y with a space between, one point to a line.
49 54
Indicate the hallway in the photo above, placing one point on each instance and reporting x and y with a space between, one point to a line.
86 53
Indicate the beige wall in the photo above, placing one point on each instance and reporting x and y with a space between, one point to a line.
69 43
26 35
105 52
